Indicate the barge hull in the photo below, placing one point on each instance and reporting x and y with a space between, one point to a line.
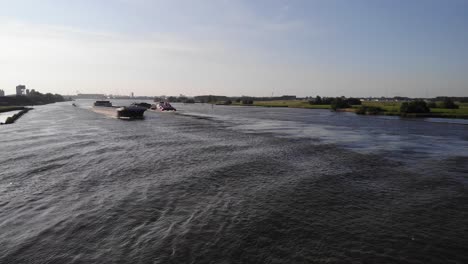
120 112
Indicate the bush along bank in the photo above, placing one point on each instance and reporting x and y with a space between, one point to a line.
414 109
369 110
13 118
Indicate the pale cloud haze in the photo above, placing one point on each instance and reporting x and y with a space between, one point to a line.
331 48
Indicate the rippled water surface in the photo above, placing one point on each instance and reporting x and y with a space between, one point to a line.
231 185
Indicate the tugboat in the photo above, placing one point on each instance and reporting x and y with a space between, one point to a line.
143 104
163 106
131 112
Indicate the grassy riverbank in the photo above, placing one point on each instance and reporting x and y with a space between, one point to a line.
10 108
388 108
33 98
393 108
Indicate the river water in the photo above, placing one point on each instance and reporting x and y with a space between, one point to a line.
231 185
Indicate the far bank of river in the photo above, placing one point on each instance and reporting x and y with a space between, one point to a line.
4 109
391 109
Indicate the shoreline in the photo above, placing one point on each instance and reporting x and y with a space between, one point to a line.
12 119
444 113
4 109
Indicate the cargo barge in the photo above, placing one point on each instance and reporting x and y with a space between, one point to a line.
121 112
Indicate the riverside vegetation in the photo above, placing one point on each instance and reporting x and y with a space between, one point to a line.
15 103
417 108
444 107
33 98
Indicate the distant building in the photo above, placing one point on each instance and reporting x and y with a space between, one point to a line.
2 93
131 95
20 89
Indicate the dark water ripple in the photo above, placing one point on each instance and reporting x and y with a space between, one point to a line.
231 185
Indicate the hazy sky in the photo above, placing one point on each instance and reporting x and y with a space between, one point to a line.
152 47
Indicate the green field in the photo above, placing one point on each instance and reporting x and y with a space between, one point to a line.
387 106
393 108
461 112
390 108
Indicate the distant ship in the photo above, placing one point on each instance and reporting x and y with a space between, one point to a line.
162 106
103 103
123 112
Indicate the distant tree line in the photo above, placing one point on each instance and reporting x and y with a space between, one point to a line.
452 98
220 99
33 98
443 102
241 99
418 106
410 106
335 102
48 98
211 99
